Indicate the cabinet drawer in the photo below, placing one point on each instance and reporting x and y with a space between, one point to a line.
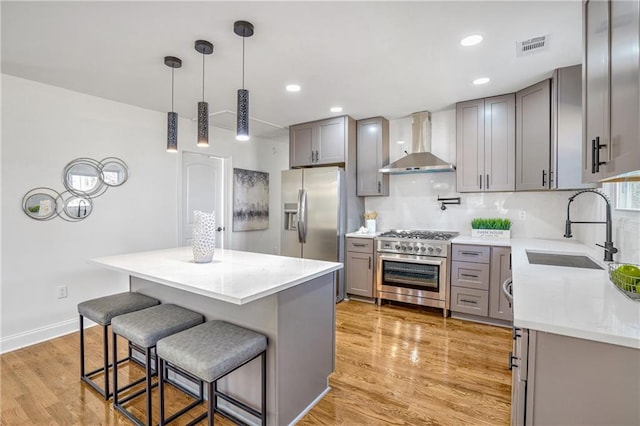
470 301
360 245
467 253
470 275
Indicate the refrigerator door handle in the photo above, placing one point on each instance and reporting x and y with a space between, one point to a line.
302 216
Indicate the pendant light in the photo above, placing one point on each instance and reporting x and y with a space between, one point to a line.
244 29
172 117
205 48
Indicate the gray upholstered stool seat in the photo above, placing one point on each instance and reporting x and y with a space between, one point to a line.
101 311
143 329
210 351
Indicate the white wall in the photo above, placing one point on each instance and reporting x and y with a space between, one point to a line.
45 127
412 201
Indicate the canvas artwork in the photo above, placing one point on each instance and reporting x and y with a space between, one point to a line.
250 200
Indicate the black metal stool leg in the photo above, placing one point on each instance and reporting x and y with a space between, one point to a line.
105 353
81 346
149 371
264 388
211 409
161 373
115 369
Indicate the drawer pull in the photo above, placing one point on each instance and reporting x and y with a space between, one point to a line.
359 244
474 302
471 253
469 275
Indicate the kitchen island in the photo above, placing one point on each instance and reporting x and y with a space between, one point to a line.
576 351
290 300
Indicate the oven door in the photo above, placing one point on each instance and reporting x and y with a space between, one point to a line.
411 278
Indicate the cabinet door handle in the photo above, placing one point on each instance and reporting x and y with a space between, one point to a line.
469 275
379 187
544 178
369 262
312 156
359 244
480 181
487 182
598 148
593 156
317 156
473 302
470 253
511 359
514 333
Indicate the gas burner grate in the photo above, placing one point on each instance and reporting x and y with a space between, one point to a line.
420 235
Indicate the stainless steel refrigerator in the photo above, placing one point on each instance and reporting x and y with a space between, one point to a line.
314 216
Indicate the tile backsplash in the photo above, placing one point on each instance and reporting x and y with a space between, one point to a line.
412 204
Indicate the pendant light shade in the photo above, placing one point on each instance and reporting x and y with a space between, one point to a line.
172 117
205 48
244 29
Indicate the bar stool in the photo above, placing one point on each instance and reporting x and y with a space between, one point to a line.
101 311
211 351
143 329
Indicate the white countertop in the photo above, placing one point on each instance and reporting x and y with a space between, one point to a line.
467 239
574 302
362 234
234 276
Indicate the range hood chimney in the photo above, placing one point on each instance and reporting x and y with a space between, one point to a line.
420 160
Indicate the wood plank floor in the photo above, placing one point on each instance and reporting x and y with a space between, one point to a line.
394 366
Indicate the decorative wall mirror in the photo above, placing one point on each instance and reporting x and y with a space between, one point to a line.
40 203
84 179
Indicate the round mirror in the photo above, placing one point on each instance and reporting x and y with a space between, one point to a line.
113 171
82 176
74 207
40 203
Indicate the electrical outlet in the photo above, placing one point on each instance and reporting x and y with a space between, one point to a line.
62 291
523 215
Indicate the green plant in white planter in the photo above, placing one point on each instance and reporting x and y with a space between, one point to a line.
491 227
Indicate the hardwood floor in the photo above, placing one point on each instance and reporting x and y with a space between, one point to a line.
394 366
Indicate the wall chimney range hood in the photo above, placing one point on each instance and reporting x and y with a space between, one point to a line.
420 160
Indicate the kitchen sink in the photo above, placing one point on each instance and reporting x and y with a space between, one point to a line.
560 259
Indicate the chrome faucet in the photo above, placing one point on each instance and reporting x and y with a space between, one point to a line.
609 249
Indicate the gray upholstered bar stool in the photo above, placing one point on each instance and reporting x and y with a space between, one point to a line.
101 311
143 329
209 352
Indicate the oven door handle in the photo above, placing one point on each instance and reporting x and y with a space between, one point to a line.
423 260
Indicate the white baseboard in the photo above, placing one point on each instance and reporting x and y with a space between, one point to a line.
38 335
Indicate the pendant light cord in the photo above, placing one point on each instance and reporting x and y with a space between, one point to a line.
172 73
203 77
243 62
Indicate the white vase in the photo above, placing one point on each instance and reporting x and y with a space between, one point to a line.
204 236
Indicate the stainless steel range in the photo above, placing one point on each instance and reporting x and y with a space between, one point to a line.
413 267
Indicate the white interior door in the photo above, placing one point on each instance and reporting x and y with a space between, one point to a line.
203 188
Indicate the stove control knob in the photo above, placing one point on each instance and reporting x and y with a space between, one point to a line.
398 247
423 248
406 248
438 249
430 249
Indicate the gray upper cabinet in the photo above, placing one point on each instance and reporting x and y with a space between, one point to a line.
485 144
533 137
318 143
611 89
372 153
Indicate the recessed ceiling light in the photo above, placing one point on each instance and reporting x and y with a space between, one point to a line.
293 88
336 109
482 80
400 142
471 40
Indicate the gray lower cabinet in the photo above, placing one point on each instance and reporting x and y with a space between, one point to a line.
485 144
372 153
564 380
319 142
477 274
360 266
611 88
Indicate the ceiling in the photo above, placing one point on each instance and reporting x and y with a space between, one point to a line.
372 58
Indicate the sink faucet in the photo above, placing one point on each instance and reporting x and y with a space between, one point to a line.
609 249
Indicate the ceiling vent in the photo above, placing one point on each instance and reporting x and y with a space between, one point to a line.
533 45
